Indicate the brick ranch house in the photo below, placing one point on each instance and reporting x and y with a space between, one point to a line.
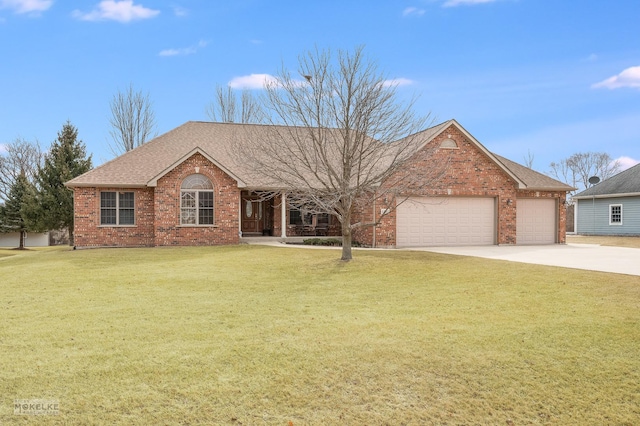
181 189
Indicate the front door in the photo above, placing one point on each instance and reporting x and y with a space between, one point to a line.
256 215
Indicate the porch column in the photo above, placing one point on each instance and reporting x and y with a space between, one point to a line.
240 216
283 214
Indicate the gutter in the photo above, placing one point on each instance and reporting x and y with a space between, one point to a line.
624 194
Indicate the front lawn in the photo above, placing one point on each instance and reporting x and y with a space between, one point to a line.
604 240
262 335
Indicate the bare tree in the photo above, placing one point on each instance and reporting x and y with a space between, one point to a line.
21 158
339 139
132 120
579 167
528 159
224 108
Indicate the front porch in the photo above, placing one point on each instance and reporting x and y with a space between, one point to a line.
263 217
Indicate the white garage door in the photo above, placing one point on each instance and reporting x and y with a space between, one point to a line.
445 221
535 221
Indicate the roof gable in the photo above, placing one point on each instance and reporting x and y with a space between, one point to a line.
154 180
524 177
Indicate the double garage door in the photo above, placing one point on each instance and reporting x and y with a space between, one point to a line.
460 221
446 221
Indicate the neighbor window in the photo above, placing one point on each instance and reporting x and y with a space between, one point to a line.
615 214
196 201
117 208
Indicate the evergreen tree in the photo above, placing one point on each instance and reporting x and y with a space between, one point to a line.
51 206
12 218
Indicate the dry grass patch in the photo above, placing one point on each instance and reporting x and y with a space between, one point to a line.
260 335
631 242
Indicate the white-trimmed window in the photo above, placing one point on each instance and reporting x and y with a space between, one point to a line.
196 201
117 208
615 214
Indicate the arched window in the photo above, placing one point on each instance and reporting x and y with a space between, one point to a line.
196 201
449 143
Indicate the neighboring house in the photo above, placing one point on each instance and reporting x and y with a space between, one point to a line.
33 239
611 207
182 188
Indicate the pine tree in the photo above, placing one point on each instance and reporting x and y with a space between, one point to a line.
51 206
12 218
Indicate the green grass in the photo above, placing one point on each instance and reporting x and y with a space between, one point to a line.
261 335
614 241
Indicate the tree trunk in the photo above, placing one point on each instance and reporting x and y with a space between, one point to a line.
71 236
346 238
21 244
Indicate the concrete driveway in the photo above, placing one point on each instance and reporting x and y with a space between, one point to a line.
579 256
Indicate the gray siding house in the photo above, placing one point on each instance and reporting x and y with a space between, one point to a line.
611 207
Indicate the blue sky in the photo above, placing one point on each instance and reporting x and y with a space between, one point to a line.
547 77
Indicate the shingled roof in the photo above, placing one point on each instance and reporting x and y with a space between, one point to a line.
143 166
626 183
532 179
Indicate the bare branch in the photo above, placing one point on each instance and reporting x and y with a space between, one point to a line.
579 167
132 120
528 159
224 107
339 139
21 157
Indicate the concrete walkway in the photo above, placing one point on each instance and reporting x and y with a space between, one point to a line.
591 257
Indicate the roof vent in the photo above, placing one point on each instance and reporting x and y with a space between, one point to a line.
448 143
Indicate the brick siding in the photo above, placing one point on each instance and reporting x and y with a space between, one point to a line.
157 212
89 233
469 173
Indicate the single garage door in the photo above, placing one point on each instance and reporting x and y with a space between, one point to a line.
445 221
536 221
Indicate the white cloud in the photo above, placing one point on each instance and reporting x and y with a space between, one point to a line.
398 82
626 162
412 11
121 11
180 11
176 52
184 50
627 78
26 6
592 58
454 3
252 81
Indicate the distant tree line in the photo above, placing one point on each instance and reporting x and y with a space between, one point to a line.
577 169
33 197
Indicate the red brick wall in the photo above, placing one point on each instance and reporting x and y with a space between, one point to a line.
468 173
89 233
168 230
157 212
